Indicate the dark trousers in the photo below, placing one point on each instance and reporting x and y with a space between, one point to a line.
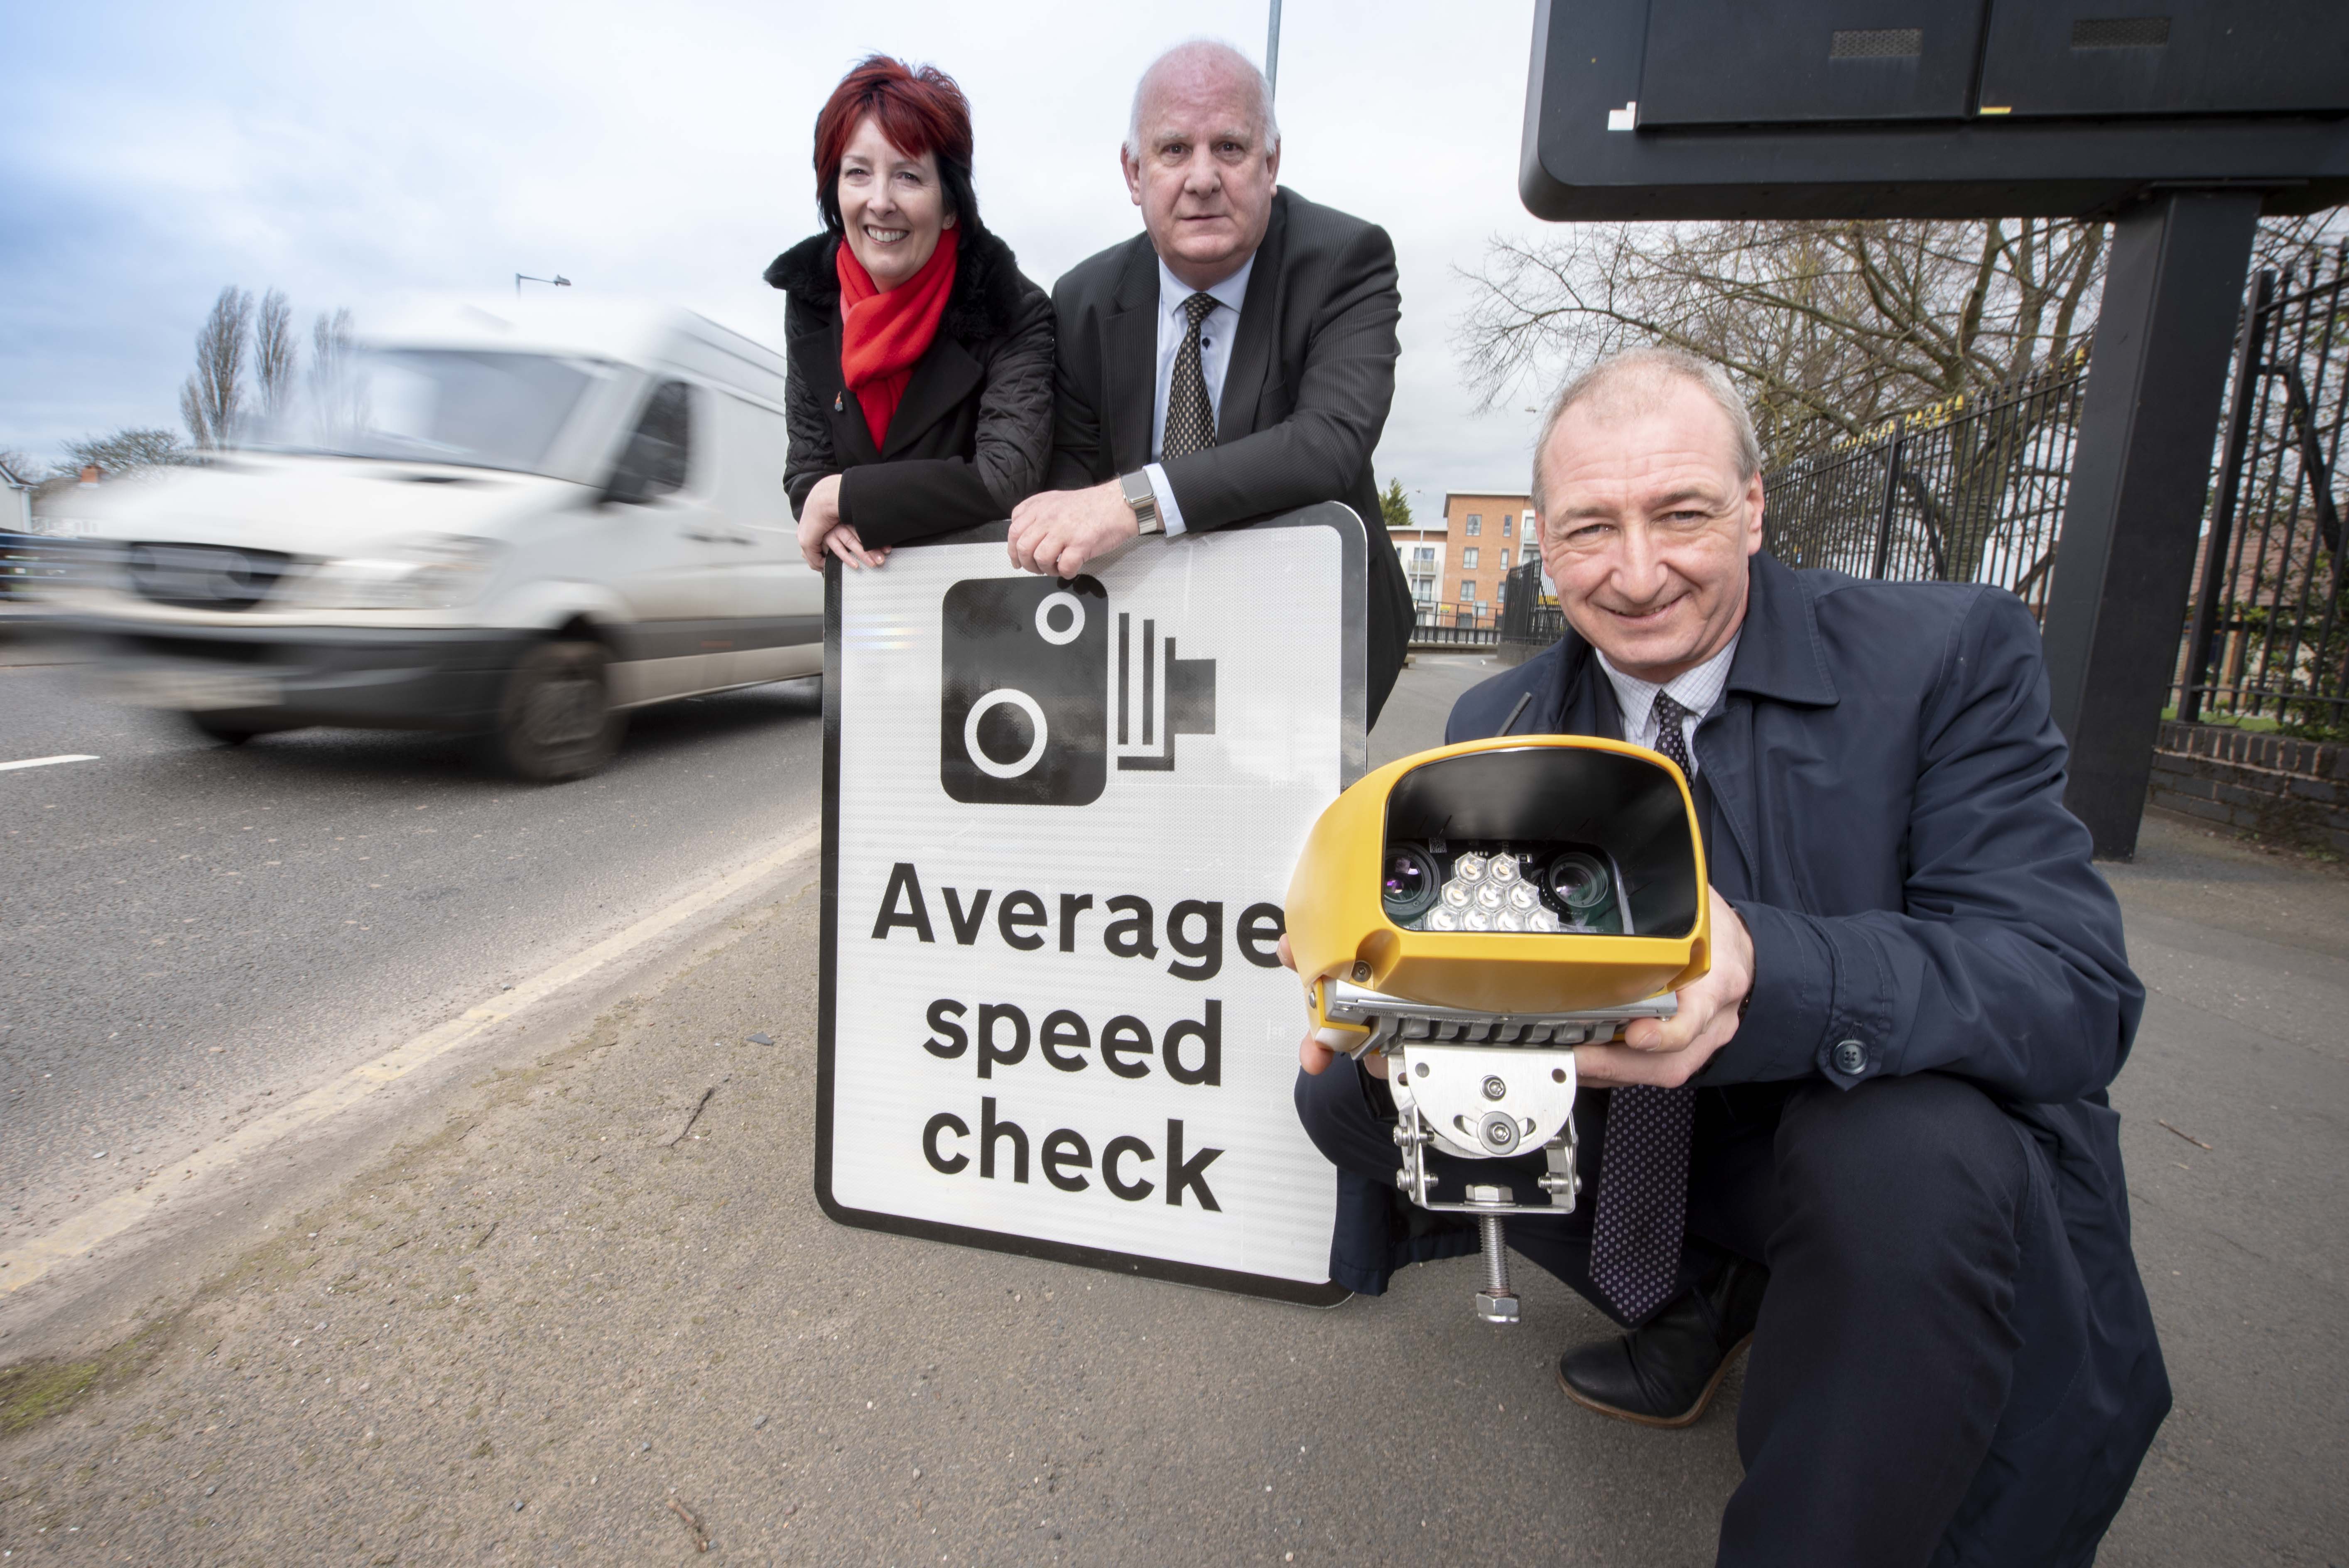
1917 1300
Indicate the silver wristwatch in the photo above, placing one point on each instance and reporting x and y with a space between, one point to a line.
1143 501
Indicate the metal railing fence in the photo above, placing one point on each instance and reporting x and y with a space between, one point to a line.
1970 489
2269 634
1456 627
1526 614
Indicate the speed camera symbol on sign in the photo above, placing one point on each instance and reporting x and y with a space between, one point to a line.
1026 699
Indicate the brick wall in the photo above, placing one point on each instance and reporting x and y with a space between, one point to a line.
2289 791
1501 525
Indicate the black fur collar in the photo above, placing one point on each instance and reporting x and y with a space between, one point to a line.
988 283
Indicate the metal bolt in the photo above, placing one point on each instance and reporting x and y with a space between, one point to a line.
1495 1303
1495 1090
1499 1131
1420 1070
1361 974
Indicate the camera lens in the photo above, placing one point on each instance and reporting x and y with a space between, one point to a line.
1580 882
1410 883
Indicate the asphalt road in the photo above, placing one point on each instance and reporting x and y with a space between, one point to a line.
189 931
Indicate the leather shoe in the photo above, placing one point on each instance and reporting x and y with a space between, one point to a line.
1663 1373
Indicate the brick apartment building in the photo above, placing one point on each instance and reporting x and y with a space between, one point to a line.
1483 540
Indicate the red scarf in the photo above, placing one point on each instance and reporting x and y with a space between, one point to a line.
882 335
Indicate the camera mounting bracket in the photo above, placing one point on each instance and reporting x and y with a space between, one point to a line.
1483 1086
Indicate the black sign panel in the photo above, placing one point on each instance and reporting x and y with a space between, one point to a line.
1814 108
1796 61
2135 57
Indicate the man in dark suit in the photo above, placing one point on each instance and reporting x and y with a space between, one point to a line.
1233 361
1874 1139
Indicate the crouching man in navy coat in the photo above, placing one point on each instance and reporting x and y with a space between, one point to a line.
1875 1142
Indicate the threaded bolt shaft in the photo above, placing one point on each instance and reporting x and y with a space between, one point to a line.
1496 1254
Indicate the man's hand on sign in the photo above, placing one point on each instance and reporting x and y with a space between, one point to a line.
1668 1052
1311 1054
1056 532
821 532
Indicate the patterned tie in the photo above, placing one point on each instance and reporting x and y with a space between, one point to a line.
1635 1239
1190 417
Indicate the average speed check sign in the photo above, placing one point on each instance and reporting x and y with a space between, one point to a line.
1060 817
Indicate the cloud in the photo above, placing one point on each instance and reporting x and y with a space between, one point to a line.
352 155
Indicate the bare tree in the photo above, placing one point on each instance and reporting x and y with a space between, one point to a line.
127 450
2290 245
337 400
273 350
1828 327
212 400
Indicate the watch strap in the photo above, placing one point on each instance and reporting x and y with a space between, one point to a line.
1144 500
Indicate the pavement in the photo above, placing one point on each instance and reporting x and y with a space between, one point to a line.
576 1304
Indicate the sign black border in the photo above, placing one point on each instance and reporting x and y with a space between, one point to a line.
1354 539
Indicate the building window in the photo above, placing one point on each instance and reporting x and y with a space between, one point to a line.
1504 558
1425 552
1467 590
1476 524
1504 525
1468 559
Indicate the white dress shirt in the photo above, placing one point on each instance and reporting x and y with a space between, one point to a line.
1215 335
1696 690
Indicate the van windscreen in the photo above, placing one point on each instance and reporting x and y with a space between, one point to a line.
474 408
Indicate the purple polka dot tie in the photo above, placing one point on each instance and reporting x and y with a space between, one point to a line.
1635 1239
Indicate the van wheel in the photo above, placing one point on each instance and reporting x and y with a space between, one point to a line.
230 731
557 722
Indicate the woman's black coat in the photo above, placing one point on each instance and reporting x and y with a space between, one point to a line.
973 434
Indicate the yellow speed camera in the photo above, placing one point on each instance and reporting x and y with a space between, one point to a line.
1471 914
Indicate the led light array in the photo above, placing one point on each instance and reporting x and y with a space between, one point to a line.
1489 893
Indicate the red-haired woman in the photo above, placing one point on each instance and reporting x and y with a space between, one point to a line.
920 393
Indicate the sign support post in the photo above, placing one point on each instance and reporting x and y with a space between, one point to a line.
2117 602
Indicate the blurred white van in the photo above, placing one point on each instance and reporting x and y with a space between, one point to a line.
521 522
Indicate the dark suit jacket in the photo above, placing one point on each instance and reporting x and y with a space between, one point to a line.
1886 792
1305 396
972 435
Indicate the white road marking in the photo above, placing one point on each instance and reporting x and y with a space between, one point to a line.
111 1217
44 761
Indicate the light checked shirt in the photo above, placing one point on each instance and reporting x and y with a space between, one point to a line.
1697 690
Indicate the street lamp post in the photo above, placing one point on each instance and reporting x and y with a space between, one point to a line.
558 280
1272 51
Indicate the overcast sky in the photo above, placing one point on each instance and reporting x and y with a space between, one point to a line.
353 155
